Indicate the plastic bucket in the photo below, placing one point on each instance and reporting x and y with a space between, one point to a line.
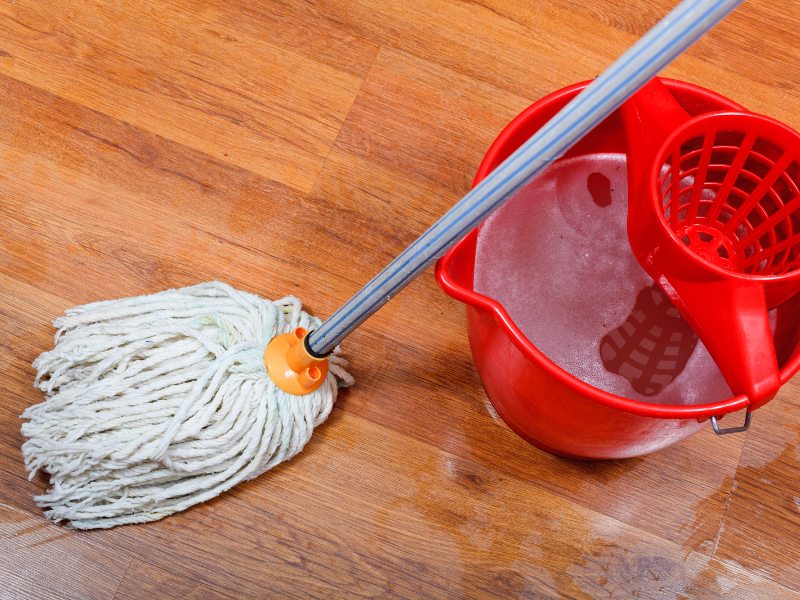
541 401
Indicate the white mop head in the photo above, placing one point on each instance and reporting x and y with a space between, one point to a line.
156 403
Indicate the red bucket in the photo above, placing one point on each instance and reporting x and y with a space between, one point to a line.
535 395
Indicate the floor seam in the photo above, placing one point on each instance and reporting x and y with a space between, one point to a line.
121 579
344 121
729 498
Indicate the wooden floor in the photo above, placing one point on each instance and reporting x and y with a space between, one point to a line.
294 147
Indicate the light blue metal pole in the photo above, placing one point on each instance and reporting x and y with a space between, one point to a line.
668 39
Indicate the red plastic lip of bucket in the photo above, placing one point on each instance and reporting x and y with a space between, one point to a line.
781 130
472 298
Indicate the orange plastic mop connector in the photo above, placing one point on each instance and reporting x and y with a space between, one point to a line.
290 365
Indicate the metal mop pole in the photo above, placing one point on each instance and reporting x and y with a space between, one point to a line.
669 38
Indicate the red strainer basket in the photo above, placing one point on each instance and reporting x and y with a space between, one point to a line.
730 193
714 218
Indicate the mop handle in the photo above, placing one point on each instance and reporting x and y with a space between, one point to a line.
669 38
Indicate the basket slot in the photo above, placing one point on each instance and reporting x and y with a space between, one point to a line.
766 253
730 178
702 170
676 179
783 213
758 193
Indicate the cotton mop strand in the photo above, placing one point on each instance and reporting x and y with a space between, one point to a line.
156 403
159 402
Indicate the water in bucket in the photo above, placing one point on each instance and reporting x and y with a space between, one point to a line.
558 259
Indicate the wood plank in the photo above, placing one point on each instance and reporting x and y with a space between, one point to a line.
143 580
429 121
261 105
761 530
348 519
523 47
41 560
725 580
125 195
532 48
313 36
729 46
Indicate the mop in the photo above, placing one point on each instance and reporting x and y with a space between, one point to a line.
156 403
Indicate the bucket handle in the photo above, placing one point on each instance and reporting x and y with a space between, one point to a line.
726 430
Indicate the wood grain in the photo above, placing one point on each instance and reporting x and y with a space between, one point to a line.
295 147
262 106
41 560
143 580
445 527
